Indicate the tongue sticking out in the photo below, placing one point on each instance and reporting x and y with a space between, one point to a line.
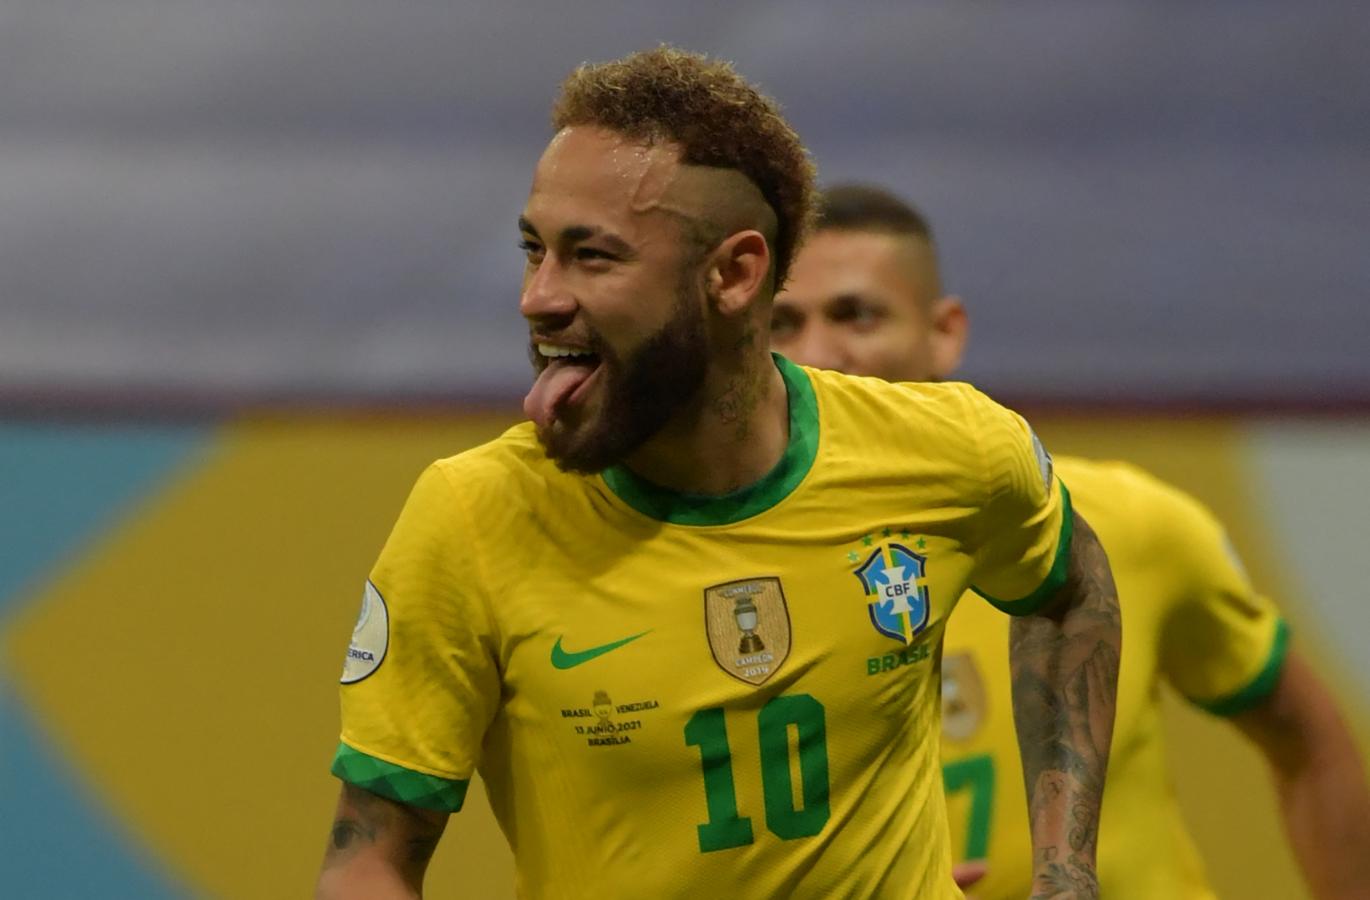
553 386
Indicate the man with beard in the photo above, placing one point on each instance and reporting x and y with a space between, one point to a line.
536 612
865 297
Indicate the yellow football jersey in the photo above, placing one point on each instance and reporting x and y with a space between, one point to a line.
1190 619
676 696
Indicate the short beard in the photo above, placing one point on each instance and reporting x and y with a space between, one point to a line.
642 393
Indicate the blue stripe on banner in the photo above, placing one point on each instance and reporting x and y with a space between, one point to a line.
62 486
57 842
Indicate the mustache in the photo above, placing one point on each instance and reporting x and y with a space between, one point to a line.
589 339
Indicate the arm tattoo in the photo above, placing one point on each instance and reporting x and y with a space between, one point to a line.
405 836
347 831
421 849
1065 671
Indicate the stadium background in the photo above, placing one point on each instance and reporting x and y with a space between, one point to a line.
257 269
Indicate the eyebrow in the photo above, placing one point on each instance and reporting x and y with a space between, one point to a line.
850 297
574 234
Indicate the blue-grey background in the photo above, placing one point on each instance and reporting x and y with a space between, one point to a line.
241 200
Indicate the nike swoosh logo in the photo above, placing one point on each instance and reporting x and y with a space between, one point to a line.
566 659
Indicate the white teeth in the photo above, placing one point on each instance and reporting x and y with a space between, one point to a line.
553 350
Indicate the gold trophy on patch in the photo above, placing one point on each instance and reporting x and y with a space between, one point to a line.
745 611
603 709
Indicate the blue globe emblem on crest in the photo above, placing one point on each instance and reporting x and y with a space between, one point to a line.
897 601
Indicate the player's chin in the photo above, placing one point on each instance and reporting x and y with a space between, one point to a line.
577 442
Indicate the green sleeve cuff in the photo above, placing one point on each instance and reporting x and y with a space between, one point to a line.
398 783
1259 687
1026 606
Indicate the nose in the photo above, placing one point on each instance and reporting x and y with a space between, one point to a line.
546 298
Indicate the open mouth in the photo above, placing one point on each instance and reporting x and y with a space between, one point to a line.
563 380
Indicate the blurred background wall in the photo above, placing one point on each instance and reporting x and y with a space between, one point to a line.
257 268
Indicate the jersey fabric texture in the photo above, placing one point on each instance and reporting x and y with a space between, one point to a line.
676 696
1191 620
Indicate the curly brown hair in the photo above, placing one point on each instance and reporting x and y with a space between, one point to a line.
716 117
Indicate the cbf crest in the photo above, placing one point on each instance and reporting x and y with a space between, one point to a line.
897 598
749 627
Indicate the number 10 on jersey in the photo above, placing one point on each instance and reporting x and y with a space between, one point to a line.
726 828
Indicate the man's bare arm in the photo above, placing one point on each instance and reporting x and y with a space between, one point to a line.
1064 663
1321 783
378 849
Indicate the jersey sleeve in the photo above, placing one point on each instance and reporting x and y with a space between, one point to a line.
420 684
1223 645
1025 523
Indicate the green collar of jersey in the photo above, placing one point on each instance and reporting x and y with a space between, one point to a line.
697 509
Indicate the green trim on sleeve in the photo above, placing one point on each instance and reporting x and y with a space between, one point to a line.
398 783
1259 687
1026 606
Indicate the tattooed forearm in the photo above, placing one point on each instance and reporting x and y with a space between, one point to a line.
1065 673
360 822
1057 880
421 849
379 835
349 833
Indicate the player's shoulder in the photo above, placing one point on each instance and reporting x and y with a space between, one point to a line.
513 452
501 469
1115 476
871 407
1115 495
864 390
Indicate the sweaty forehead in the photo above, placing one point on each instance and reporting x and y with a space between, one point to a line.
587 170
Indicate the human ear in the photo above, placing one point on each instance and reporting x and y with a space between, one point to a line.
950 329
738 272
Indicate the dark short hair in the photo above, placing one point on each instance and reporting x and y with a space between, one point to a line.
716 117
863 207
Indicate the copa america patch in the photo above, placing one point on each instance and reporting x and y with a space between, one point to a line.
370 637
1044 464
